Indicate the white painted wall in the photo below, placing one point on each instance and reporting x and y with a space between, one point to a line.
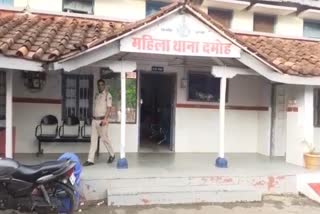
45 5
295 126
246 131
132 10
250 129
121 9
27 115
289 26
242 21
197 129
264 117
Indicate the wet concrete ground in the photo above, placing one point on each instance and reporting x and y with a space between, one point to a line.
284 204
271 204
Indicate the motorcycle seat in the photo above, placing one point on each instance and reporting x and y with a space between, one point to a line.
31 173
8 167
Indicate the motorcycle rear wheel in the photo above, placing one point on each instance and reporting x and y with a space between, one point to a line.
64 195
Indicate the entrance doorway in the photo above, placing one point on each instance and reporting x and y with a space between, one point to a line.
157 104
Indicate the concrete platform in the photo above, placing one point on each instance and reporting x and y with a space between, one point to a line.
170 178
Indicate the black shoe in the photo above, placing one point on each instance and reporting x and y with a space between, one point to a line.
111 159
87 163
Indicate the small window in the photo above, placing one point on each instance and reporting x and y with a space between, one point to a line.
114 85
224 17
2 95
311 29
78 6
203 87
154 6
6 2
317 107
77 92
264 23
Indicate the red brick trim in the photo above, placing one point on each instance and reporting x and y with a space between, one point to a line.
292 109
230 107
36 100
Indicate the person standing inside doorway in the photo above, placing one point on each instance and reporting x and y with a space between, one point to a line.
101 113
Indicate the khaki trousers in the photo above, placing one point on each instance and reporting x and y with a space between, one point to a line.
102 132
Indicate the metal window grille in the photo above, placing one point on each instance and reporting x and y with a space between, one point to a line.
77 96
2 95
78 6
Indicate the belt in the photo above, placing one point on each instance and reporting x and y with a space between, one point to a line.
98 118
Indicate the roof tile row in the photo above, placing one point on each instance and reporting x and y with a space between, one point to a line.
46 38
49 38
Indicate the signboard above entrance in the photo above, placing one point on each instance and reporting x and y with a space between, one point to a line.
180 34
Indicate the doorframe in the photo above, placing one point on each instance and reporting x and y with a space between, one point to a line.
274 115
173 108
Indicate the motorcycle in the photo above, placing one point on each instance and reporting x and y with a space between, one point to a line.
44 188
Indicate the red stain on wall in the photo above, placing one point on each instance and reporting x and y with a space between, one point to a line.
271 182
227 180
259 183
145 201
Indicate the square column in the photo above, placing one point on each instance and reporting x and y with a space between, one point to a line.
221 162
122 162
224 73
122 67
9 143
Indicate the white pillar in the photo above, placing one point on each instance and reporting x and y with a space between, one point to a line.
9 115
123 114
223 86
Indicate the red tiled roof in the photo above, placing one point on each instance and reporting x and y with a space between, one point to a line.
46 38
49 38
291 56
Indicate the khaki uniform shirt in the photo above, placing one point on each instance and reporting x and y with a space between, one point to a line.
101 102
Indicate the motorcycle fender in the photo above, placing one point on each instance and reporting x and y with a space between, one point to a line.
45 179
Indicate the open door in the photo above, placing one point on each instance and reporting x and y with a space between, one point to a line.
157 104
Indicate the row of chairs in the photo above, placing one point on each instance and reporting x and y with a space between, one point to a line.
70 128
71 131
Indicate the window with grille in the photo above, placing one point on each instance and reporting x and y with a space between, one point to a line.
77 96
264 23
204 87
78 6
2 95
224 17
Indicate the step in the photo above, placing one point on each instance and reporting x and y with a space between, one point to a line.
174 181
219 181
179 195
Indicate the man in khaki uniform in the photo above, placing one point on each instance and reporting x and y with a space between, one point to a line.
101 113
